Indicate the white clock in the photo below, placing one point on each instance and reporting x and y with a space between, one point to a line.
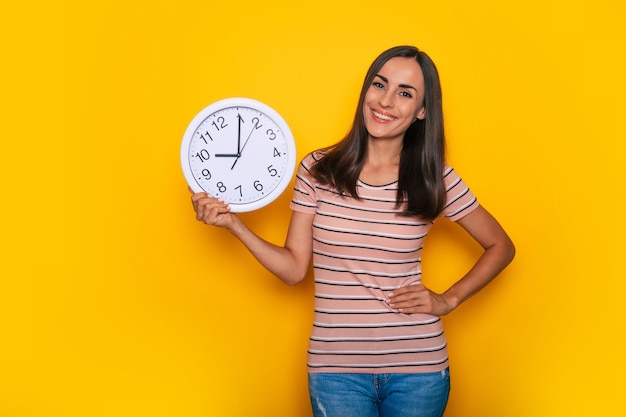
239 150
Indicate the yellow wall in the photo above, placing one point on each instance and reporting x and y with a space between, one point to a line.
115 302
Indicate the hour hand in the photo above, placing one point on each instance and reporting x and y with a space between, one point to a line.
239 149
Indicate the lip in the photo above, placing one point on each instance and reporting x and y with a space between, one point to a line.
382 117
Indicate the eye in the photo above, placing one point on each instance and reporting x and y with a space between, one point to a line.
378 84
406 94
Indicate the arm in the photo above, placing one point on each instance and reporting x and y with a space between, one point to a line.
289 263
499 252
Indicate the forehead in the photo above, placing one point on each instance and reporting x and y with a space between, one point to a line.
400 70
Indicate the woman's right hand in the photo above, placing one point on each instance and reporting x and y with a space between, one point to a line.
212 211
290 262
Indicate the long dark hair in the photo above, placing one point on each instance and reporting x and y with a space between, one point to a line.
420 180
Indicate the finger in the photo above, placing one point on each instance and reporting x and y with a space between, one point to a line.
198 196
215 213
407 288
202 201
414 300
201 205
212 216
413 306
408 292
409 305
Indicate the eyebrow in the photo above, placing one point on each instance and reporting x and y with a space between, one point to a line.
401 85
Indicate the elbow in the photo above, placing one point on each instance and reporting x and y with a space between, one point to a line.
294 278
502 252
509 251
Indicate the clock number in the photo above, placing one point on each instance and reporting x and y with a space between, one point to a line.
277 153
204 137
203 155
271 135
221 187
206 174
222 123
257 186
256 121
272 170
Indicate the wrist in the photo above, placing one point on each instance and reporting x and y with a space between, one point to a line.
451 300
235 227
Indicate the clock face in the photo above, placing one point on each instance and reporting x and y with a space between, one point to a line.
239 150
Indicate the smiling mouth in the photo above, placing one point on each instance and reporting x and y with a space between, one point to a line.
382 116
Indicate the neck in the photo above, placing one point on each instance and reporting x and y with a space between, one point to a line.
384 152
382 163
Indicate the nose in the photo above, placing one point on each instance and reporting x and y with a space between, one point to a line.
386 99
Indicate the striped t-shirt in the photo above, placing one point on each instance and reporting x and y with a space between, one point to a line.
363 248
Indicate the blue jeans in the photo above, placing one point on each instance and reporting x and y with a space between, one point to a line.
379 395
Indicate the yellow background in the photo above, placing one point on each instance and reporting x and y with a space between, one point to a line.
115 302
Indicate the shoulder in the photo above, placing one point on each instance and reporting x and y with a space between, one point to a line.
312 158
447 169
450 176
460 200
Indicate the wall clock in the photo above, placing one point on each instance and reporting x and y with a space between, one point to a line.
239 150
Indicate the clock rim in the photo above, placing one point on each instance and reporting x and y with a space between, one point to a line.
258 106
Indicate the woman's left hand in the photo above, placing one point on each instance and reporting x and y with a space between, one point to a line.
418 299
498 253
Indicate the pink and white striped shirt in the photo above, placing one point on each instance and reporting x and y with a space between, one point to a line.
363 248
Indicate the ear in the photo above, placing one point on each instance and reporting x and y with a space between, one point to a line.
421 114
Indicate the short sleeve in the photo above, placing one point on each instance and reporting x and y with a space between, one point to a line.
460 201
304 193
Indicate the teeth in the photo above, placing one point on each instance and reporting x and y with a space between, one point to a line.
382 116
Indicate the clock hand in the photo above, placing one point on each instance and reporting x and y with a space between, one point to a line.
242 148
239 134
238 154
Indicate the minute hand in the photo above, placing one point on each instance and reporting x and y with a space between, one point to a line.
242 148
239 134
229 155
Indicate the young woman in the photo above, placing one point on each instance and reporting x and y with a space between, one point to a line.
362 209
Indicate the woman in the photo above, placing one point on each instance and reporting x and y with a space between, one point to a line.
362 209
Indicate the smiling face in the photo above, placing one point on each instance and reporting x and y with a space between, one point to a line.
395 99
